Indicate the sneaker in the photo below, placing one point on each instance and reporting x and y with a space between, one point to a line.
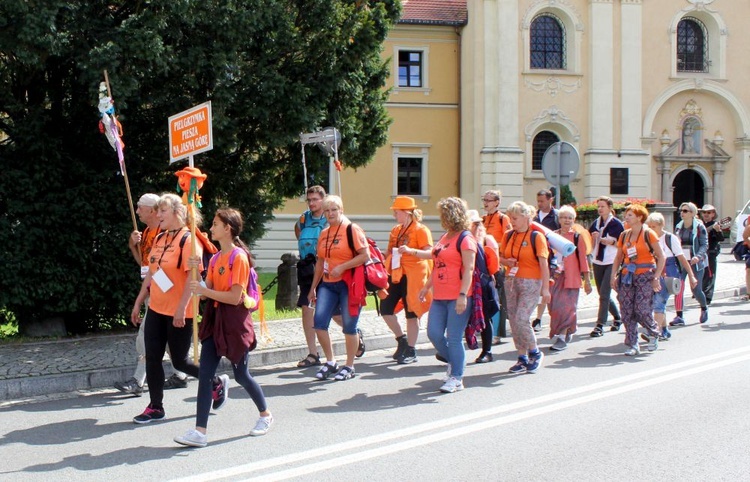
221 392
401 346
192 438
559 345
326 371
597 331
452 385
149 415
408 356
520 366
615 326
497 340
653 343
440 358
633 351
665 334
447 375
678 321
568 338
535 361
131 386
537 325
175 382
262 426
484 357
361 347
344 374
704 316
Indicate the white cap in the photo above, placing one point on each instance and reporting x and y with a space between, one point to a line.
148 200
473 216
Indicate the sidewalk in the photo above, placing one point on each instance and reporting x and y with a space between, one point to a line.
46 368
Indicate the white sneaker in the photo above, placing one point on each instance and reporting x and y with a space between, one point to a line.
192 438
452 385
447 375
262 426
653 343
633 351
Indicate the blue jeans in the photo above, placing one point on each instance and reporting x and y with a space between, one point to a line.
333 296
443 319
208 365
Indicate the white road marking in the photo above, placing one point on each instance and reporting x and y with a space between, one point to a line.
483 420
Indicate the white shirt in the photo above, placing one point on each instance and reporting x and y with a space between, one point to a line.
676 248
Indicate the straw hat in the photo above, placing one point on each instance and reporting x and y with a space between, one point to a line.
708 207
404 203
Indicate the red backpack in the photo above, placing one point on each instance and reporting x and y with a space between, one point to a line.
376 277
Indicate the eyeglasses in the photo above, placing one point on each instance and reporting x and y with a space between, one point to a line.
312 200
685 211
490 200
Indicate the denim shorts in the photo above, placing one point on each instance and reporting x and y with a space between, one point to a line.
661 298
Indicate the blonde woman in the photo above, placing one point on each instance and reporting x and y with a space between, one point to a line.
408 262
694 240
525 255
451 285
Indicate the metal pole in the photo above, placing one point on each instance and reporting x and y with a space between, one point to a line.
193 272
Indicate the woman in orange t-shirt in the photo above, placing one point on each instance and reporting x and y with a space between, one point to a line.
330 291
411 243
223 332
526 279
169 318
451 285
639 262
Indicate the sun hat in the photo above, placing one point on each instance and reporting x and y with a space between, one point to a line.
473 216
404 203
708 207
148 200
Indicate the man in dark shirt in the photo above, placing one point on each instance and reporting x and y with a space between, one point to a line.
715 236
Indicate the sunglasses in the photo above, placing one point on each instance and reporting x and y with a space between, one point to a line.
685 211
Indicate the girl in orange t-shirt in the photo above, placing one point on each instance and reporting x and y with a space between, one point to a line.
169 315
225 286
332 270
526 279
642 260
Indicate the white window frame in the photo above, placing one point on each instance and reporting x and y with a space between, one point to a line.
425 50
716 36
413 151
573 27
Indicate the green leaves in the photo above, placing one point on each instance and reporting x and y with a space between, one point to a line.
271 68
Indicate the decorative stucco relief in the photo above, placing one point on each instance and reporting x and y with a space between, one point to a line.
552 115
563 5
553 85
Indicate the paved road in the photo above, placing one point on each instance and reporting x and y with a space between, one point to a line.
34 369
590 413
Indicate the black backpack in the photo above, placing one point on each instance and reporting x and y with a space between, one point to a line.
490 297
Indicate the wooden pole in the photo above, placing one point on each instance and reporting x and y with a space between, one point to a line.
193 272
124 170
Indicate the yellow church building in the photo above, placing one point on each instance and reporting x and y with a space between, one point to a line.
650 92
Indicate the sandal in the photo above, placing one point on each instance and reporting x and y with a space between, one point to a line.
615 326
309 361
597 332
361 347
344 374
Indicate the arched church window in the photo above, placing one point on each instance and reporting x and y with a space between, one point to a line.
547 42
539 146
692 46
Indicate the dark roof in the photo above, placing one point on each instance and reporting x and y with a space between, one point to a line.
434 12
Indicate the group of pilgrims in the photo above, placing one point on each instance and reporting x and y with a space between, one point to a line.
517 273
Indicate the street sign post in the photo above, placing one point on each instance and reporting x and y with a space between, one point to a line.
560 165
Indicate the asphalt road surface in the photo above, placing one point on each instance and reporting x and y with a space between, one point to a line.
590 413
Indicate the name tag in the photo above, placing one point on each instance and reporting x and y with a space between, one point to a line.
513 271
162 280
325 267
632 253
144 271
395 259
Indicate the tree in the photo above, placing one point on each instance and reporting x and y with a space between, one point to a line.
271 68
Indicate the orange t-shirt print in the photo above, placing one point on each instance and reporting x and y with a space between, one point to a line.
446 275
147 242
333 248
164 255
222 278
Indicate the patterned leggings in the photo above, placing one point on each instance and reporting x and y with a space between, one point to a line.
523 296
637 307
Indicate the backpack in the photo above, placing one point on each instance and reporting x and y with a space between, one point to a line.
376 277
550 259
310 230
252 279
490 297
208 249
